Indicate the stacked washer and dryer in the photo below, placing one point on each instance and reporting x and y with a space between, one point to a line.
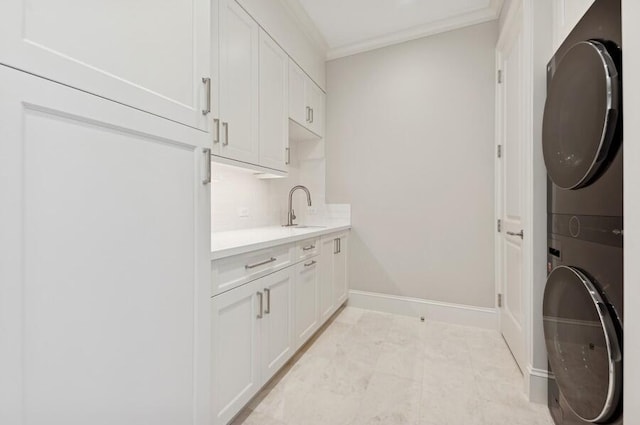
582 145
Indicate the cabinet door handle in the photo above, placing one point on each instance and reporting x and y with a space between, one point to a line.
207 87
308 114
308 248
216 122
288 161
309 264
339 245
335 246
268 292
260 296
207 164
262 263
311 116
225 126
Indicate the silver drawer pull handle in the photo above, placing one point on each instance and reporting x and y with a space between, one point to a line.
259 294
262 263
310 263
520 234
309 248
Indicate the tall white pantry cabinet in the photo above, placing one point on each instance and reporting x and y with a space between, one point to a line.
105 212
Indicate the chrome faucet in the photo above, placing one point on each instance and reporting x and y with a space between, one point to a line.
291 215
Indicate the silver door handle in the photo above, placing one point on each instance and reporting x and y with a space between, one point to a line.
288 161
262 263
310 263
225 126
259 316
268 292
521 234
311 115
207 162
308 114
216 121
207 87
308 248
335 246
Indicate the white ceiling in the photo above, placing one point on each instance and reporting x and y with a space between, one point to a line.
353 26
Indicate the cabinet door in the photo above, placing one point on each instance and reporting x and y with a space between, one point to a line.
274 104
297 99
236 344
277 326
306 316
104 261
149 55
316 101
239 41
341 271
326 298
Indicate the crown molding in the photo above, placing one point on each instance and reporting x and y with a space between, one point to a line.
305 23
489 13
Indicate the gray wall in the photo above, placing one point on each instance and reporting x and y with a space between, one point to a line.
410 144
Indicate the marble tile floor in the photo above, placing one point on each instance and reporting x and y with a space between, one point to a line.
368 368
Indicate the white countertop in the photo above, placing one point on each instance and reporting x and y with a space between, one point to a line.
226 244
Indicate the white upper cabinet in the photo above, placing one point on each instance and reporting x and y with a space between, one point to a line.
316 101
274 104
306 105
151 55
239 79
104 261
298 107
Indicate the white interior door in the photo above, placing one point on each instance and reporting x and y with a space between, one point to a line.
151 55
104 261
511 133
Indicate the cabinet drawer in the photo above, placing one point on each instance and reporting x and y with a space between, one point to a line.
231 272
307 249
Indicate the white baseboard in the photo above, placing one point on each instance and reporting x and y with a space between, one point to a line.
457 314
536 383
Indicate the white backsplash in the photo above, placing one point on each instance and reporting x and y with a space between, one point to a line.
236 192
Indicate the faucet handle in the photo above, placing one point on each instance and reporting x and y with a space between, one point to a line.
293 214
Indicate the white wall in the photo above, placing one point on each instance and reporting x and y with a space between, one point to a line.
410 145
631 57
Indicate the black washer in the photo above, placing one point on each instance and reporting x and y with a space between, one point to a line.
580 114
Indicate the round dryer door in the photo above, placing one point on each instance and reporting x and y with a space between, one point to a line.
580 115
582 345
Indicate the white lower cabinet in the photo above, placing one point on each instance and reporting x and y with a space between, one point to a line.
306 313
252 339
258 326
326 299
277 321
341 269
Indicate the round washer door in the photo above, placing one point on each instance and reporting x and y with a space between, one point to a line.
580 114
582 345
